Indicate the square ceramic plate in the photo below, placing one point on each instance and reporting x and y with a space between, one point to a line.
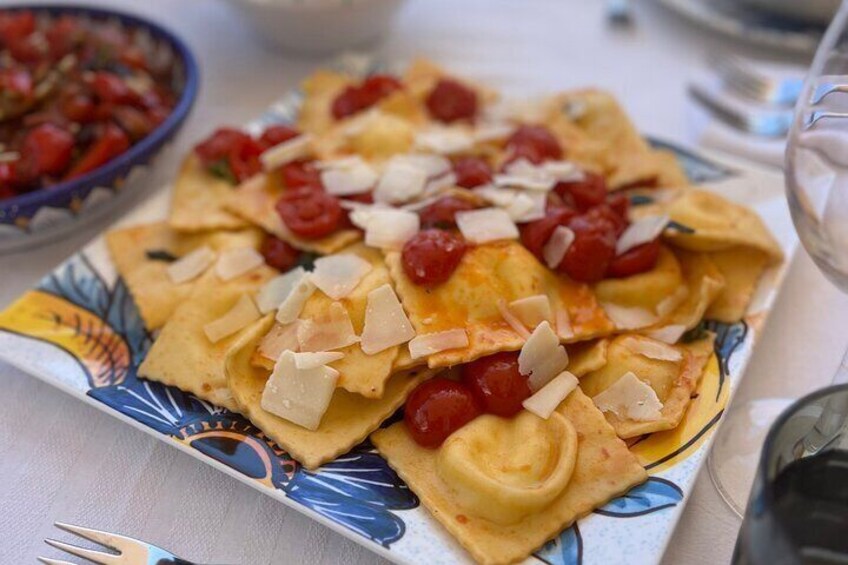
80 331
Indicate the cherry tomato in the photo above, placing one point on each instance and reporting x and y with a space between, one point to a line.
534 235
16 82
450 100
243 158
112 89
620 204
301 174
45 150
605 213
436 409
15 25
278 253
217 146
535 143
27 49
442 212
134 121
472 171
431 256
133 57
62 35
7 180
78 108
310 214
591 251
356 98
637 260
496 384
111 143
586 193
274 135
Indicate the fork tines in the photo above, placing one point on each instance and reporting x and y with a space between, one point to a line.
120 544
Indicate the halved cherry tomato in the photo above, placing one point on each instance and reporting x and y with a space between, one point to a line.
310 214
278 254
640 259
436 409
301 174
586 193
27 49
111 143
274 135
431 256
534 235
45 150
619 203
78 108
472 171
442 213
15 25
217 146
62 35
535 143
16 82
243 158
450 100
112 89
591 251
496 383
356 98
606 213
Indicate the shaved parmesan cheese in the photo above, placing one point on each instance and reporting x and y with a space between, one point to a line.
241 315
352 176
487 224
286 152
428 344
668 304
557 246
512 320
338 275
653 349
444 140
279 339
233 263
630 398
340 163
300 396
521 206
278 289
308 360
563 324
190 266
546 399
386 324
628 318
670 334
401 182
333 330
640 232
542 357
563 171
532 310
433 165
386 228
492 131
437 186
302 288
531 182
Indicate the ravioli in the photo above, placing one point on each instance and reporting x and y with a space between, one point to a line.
182 355
348 420
489 274
198 200
742 268
140 255
604 468
255 200
645 290
704 283
674 382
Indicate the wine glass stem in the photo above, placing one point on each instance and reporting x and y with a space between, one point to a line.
833 417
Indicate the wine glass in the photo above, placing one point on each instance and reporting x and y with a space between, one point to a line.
817 191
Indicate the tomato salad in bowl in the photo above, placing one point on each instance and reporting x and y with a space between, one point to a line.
86 96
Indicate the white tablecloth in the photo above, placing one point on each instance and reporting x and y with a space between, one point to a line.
62 460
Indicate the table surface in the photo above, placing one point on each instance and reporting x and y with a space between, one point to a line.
63 460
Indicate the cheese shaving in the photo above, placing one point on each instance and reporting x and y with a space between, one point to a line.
532 310
630 398
309 360
190 266
386 228
286 152
386 324
542 357
546 399
401 182
428 344
628 318
350 176
668 304
301 289
444 140
433 165
241 315
272 294
300 396
557 246
233 263
653 349
280 338
332 330
338 275
670 334
563 324
485 225
521 206
512 320
640 232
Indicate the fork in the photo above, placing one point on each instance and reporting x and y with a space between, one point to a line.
129 551
767 123
738 76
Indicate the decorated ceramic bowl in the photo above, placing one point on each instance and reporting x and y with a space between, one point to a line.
33 218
